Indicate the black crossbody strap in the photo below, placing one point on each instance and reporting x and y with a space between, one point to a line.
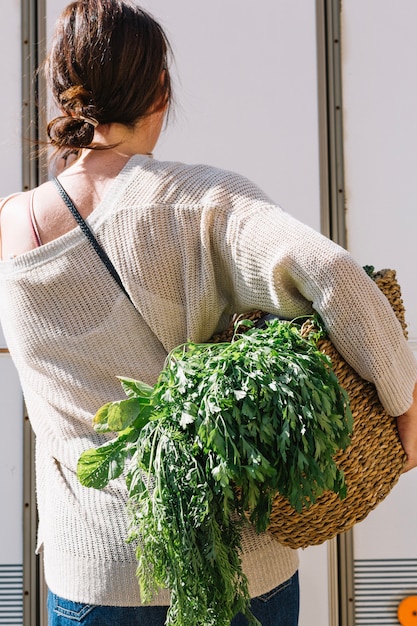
90 236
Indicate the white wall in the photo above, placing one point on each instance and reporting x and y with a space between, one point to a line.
247 92
380 128
11 104
11 411
11 462
380 124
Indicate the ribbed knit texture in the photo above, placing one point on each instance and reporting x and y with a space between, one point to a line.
192 244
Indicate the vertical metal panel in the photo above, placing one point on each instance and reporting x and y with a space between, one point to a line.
33 53
332 188
346 587
31 563
333 225
332 194
29 93
33 42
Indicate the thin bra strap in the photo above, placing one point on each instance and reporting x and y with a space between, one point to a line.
32 220
90 236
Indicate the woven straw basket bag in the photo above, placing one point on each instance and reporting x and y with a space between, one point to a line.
372 464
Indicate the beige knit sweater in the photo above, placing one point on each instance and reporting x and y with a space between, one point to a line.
192 244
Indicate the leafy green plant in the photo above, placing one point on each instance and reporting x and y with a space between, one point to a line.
226 427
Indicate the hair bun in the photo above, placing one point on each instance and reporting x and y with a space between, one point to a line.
76 99
71 132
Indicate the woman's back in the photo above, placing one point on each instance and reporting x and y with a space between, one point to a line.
71 331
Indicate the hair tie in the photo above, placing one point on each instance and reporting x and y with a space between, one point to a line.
89 120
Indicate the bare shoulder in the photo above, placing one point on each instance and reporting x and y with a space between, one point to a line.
11 209
16 235
13 200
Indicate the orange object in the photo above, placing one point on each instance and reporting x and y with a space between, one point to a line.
407 611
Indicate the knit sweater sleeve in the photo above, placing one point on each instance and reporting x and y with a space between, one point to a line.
274 262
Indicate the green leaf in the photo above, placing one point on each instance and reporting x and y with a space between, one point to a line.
135 388
100 420
97 466
123 413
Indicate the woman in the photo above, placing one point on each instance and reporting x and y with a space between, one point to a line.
192 245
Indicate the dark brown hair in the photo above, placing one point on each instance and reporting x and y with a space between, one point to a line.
108 62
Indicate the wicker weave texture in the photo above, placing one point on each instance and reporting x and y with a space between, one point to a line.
372 463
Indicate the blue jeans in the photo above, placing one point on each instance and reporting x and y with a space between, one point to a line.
278 607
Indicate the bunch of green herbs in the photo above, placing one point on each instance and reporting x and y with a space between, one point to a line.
226 427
